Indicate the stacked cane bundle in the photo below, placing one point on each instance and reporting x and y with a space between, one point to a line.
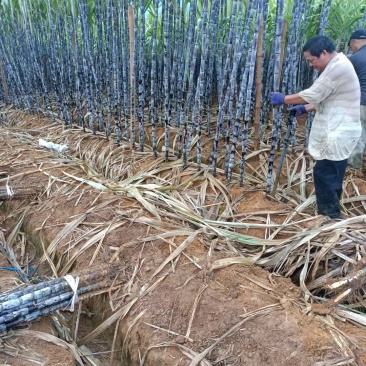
31 302
18 192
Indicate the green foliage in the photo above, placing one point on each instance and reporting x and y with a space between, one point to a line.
343 20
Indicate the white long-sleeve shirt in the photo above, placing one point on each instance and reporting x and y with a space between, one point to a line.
336 97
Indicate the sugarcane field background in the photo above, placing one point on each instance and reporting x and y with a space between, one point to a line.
154 208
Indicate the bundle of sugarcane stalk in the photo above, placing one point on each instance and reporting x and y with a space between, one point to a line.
13 192
32 301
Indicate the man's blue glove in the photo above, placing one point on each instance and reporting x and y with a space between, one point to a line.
276 98
296 111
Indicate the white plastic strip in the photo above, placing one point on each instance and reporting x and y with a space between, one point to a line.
60 148
73 283
9 190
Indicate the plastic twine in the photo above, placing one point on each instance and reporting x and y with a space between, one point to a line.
73 283
9 190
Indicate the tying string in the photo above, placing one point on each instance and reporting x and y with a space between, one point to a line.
9 190
73 283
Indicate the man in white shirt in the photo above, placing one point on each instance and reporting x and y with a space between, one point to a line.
335 96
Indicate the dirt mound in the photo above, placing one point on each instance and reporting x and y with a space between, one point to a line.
181 302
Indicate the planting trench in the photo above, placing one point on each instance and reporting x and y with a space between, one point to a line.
168 306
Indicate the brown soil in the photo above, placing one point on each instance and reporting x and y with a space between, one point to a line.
260 316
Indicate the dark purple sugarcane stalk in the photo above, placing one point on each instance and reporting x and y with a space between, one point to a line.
189 102
213 32
108 69
61 71
276 84
69 56
14 76
248 102
132 49
116 62
78 67
39 72
56 72
42 306
176 50
167 68
125 67
227 106
290 62
153 86
224 93
188 66
86 57
180 65
15 294
229 49
99 68
324 15
199 93
141 76
240 48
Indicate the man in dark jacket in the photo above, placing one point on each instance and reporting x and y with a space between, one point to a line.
357 44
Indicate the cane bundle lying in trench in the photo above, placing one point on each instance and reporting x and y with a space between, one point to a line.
32 301
11 192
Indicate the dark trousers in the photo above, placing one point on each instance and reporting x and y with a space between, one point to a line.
328 179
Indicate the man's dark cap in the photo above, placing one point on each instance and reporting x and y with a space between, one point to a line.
358 34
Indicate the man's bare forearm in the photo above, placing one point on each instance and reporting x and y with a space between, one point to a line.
296 99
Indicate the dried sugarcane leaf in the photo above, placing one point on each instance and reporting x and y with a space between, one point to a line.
330 242
96 238
225 262
11 238
6 246
295 212
359 318
201 198
243 225
247 239
292 245
176 252
98 186
219 185
195 304
88 356
354 199
48 259
69 227
52 339
168 234
134 192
